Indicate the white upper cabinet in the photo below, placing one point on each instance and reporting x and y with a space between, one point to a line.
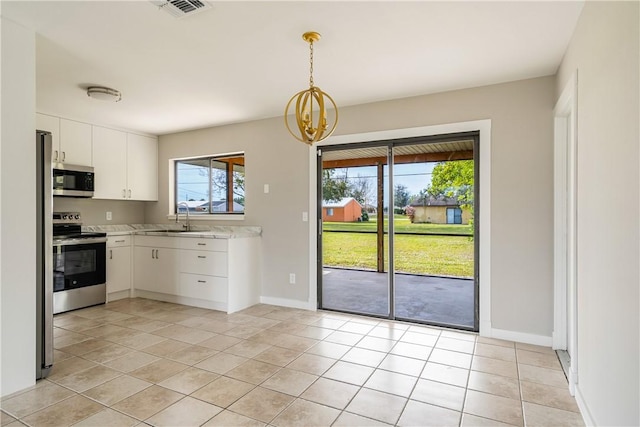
142 167
125 165
75 143
71 140
109 163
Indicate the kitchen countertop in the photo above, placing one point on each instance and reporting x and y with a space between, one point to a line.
212 232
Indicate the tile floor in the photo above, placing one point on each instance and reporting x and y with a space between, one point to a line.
142 362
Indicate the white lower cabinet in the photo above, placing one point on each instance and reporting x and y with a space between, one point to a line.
198 271
208 288
118 267
155 264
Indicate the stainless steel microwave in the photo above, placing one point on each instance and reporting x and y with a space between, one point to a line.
73 180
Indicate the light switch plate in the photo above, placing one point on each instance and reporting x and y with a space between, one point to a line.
266 189
305 216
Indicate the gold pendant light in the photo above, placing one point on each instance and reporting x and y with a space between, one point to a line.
310 106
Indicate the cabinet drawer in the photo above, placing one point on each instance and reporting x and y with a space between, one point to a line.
117 241
204 262
203 287
203 244
156 241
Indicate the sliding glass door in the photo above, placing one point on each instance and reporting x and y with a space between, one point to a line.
354 248
396 235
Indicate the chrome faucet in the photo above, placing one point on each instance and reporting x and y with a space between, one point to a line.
187 226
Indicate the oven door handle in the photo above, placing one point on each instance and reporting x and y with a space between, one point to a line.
82 241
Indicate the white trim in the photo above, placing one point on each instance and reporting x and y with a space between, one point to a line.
522 337
565 318
177 299
484 127
584 409
285 302
114 296
559 230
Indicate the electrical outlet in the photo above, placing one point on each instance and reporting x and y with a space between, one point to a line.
292 278
305 216
109 216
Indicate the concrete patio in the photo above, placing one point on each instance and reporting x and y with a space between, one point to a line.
447 301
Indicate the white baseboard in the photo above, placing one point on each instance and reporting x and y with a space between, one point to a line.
522 337
194 302
584 410
485 329
285 302
114 296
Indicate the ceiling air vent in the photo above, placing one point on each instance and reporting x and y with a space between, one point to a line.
182 8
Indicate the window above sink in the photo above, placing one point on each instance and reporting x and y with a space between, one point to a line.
213 187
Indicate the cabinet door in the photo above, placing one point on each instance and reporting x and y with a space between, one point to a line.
50 124
167 263
145 274
109 163
118 269
75 142
156 269
142 167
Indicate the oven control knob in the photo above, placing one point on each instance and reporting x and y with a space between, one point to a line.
77 216
64 217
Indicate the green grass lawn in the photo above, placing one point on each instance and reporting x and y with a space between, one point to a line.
402 225
437 255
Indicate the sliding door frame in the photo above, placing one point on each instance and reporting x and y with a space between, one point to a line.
390 144
484 222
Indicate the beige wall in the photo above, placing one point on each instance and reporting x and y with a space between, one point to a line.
94 211
521 237
605 51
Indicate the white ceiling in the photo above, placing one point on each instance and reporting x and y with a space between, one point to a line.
242 61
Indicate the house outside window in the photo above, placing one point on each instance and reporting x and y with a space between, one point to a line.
329 211
210 185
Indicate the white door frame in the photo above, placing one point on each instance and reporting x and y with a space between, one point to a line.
565 319
484 127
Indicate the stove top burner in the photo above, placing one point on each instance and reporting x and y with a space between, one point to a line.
68 226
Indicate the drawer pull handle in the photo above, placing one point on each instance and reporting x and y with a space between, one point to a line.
201 256
119 241
202 281
202 244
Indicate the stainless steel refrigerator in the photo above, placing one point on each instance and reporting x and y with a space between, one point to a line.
44 255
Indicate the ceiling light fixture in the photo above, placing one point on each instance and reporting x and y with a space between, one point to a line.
311 125
104 93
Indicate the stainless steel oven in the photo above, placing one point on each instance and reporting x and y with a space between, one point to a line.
79 264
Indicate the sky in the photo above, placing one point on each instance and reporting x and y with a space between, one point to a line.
414 176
